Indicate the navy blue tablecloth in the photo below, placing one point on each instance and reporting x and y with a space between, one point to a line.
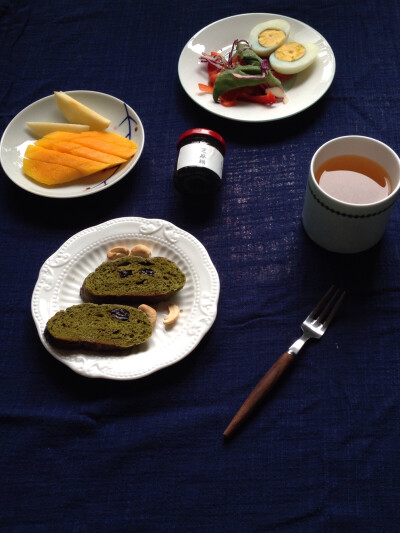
147 455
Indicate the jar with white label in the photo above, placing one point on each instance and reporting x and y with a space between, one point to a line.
200 162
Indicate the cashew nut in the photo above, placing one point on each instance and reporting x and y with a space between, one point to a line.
150 312
141 250
173 314
117 251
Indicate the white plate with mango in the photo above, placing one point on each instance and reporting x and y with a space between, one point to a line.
72 144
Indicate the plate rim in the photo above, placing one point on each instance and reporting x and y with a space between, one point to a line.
47 193
267 119
119 224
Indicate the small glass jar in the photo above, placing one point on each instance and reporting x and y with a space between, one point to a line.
200 162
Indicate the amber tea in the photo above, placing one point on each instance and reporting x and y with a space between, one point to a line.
354 179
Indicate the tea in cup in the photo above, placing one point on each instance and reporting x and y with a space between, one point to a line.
352 186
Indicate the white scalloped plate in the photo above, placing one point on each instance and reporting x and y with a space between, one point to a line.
303 90
16 138
62 275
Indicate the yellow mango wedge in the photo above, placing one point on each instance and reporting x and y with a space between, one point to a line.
87 166
98 140
82 151
50 173
110 148
107 136
78 113
60 136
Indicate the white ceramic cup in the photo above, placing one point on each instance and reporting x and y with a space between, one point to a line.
339 226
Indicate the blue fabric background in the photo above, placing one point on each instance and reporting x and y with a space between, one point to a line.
322 454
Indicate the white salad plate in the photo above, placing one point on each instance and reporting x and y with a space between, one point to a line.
17 136
302 90
62 274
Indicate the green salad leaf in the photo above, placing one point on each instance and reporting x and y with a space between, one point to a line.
248 74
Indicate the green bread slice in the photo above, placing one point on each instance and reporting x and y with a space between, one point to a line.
133 279
98 327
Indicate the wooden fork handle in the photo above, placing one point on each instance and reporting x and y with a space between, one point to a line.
259 392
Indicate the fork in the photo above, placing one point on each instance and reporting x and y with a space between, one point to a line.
313 327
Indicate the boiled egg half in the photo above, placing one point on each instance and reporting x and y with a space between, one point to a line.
266 37
291 58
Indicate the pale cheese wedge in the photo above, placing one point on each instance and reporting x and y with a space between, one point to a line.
77 113
40 129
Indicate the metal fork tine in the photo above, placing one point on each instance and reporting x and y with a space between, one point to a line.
332 313
326 309
320 305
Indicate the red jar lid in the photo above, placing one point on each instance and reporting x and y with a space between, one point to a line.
203 131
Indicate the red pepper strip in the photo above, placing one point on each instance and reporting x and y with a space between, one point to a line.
268 98
282 76
227 102
206 88
213 71
213 75
230 98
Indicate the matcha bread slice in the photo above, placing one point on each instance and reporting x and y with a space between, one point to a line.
133 279
98 327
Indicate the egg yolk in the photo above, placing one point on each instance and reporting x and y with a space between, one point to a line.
290 52
270 37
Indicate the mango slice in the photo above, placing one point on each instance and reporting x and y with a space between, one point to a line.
110 148
60 136
50 173
107 136
78 113
108 142
86 166
82 151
